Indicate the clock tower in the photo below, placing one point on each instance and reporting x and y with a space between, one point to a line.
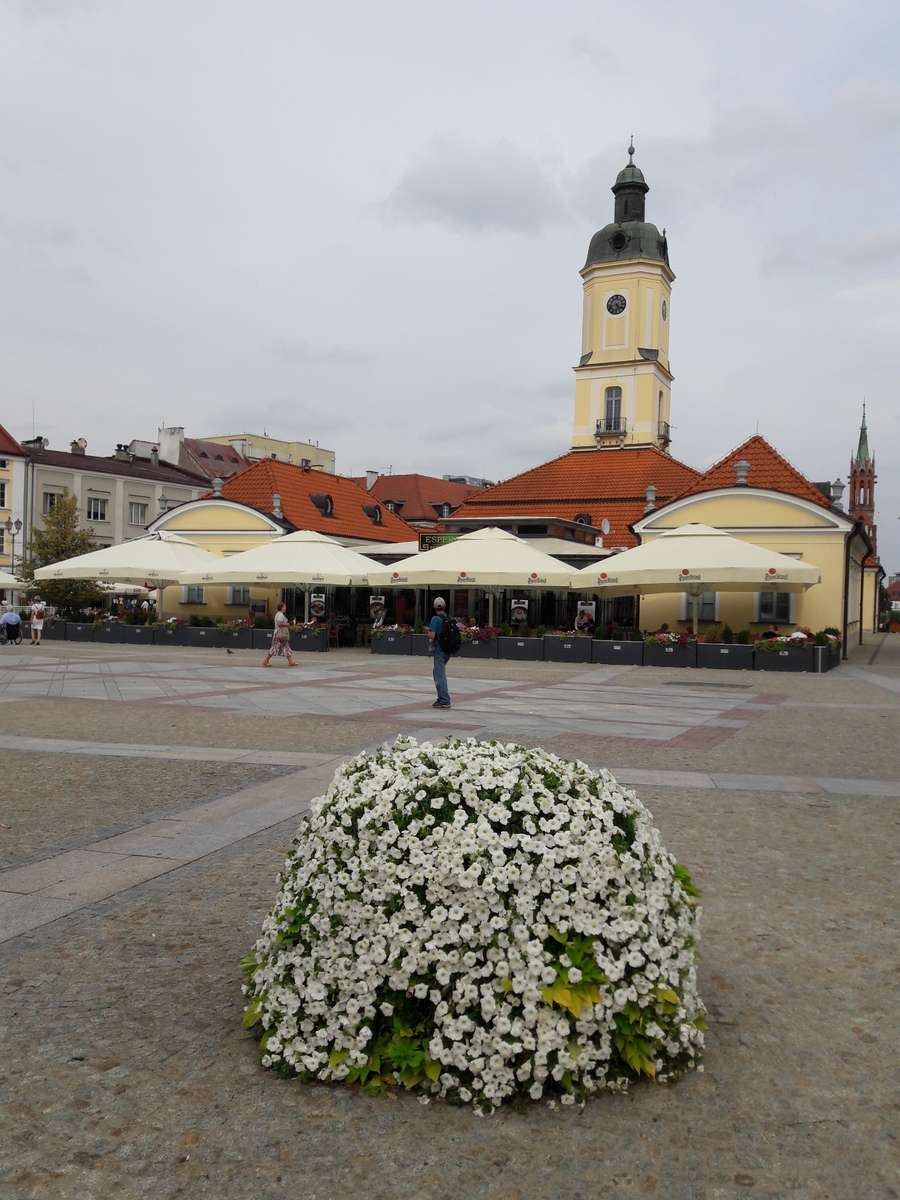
623 380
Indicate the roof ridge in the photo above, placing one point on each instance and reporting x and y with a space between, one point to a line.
757 439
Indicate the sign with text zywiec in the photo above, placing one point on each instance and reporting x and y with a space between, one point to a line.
430 541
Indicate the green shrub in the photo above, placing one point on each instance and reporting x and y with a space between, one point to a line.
727 635
263 622
742 637
505 630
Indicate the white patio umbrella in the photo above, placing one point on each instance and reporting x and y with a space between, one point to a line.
160 558
9 581
302 559
486 558
694 559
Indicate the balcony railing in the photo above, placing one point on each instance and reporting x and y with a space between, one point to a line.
665 432
611 427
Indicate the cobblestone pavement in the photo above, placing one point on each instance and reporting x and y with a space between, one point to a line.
124 1071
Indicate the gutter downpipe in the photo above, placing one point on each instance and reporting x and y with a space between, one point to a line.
846 604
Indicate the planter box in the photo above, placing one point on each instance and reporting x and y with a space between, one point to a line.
629 654
567 649
730 657
827 658
109 633
418 644
138 635
55 630
392 643
792 658
309 639
176 636
262 638
670 656
203 636
486 649
237 639
77 631
523 648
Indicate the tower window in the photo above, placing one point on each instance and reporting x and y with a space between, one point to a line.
613 420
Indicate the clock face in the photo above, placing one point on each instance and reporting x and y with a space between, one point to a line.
615 305
665 310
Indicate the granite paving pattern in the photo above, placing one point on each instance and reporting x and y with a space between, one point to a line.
124 1072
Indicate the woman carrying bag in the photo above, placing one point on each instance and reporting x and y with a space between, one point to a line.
281 639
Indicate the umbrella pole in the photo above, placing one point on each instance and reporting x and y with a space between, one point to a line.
306 604
696 600
491 607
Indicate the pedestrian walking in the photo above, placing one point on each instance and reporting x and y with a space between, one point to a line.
11 625
38 614
281 639
445 639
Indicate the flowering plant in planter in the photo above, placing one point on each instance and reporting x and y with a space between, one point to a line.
800 637
479 633
568 633
376 631
478 921
670 637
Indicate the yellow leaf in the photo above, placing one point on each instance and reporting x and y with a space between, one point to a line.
506 985
667 994
336 1057
432 1069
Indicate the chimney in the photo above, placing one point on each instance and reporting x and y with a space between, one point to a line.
651 498
371 480
217 486
276 506
741 470
170 442
837 491
78 446
121 453
154 456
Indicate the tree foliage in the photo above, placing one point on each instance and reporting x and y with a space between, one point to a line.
62 538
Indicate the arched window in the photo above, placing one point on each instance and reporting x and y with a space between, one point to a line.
613 420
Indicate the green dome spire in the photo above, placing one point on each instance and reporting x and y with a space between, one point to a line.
862 450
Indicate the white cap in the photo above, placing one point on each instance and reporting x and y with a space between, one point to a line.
440 602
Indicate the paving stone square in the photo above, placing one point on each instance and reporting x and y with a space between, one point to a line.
148 799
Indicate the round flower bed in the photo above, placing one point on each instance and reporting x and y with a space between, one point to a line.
478 921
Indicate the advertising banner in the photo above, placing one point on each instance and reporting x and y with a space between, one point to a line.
317 606
518 612
376 610
586 618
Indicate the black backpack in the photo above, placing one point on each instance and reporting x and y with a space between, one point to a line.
449 639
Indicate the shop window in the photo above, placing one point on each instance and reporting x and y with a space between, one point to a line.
96 508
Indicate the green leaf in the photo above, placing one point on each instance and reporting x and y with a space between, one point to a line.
252 1013
557 936
667 994
506 985
249 963
336 1057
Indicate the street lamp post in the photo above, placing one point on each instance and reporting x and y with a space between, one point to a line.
13 528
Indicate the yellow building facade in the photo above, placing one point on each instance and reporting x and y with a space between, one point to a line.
221 527
256 446
623 378
789 525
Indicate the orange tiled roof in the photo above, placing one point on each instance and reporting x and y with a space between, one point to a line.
9 445
418 494
600 483
296 486
768 469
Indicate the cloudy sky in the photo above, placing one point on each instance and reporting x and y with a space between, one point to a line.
362 224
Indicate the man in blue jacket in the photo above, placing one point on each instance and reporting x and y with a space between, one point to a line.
439 670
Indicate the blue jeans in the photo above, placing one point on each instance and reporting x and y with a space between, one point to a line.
439 670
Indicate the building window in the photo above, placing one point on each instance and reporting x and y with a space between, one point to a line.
49 501
613 408
2 541
137 513
192 594
775 608
240 595
96 508
2 495
706 607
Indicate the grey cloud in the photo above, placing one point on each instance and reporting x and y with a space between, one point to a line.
869 256
298 351
477 187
